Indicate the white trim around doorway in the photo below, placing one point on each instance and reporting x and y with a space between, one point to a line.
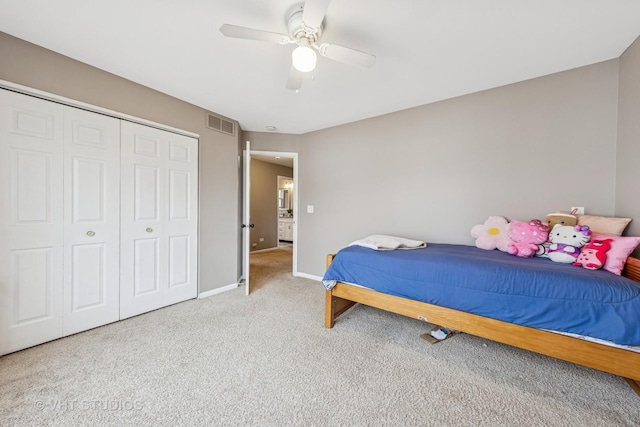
294 156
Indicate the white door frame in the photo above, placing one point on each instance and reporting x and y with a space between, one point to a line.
246 215
246 189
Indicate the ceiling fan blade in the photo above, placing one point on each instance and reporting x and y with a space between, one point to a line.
295 79
347 55
251 34
314 11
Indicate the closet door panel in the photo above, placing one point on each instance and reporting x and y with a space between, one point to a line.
182 224
31 211
159 220
179 261
32 281
88 284
31 189
92 220
179 184
146 193
142 274
146 257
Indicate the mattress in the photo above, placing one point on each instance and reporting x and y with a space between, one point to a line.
535 292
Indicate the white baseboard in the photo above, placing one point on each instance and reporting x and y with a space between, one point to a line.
309 276
217 291
264 250
232 286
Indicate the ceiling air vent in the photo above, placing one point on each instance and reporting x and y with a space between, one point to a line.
221 125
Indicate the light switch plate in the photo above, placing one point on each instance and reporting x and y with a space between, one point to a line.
309 208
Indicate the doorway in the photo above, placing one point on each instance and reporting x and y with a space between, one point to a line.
262 233
284 212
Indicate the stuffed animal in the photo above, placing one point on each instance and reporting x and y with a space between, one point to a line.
493 234
561 218
526 237
594 254
566 242
552 219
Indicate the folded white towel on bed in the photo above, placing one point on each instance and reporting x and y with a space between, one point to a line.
381 242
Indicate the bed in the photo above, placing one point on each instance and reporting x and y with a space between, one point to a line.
442 284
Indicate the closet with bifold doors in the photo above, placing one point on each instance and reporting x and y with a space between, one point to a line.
98 219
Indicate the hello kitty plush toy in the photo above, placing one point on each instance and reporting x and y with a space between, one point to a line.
594 254
566 242
526 237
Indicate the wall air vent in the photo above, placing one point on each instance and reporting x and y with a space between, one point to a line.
221 125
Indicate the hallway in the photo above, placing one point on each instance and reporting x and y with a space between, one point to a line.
275 265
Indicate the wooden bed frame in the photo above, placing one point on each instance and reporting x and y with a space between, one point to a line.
605 358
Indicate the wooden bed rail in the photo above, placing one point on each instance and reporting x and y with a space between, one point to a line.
334 306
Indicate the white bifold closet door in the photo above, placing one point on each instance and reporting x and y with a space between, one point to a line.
158 249
91 220
59 220
98 219
31 212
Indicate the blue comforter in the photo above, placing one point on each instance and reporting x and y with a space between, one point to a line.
534 292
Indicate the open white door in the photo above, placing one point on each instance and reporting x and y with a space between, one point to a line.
246 216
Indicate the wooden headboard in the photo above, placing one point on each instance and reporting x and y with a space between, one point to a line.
632 269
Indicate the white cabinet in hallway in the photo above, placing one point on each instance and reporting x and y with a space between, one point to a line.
285 229
98 219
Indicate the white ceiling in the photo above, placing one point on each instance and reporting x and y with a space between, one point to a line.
427 50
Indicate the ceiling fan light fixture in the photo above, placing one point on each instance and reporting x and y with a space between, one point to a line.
304 59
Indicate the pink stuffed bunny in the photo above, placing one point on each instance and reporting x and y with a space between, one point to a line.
526 237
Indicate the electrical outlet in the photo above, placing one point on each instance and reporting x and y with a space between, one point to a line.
309 208
578 210
254 245
262 239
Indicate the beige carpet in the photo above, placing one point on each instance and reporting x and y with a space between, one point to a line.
267 360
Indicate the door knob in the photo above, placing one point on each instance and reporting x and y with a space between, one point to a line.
149 230
91 233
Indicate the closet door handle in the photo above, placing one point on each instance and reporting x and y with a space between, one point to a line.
149 230
91 233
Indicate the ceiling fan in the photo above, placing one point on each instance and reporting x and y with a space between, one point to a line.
304 25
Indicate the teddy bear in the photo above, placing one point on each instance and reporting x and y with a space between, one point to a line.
527 237
594 254
566 242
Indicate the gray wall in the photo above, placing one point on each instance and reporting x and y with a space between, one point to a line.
434 171
264 202
628 149
33 66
